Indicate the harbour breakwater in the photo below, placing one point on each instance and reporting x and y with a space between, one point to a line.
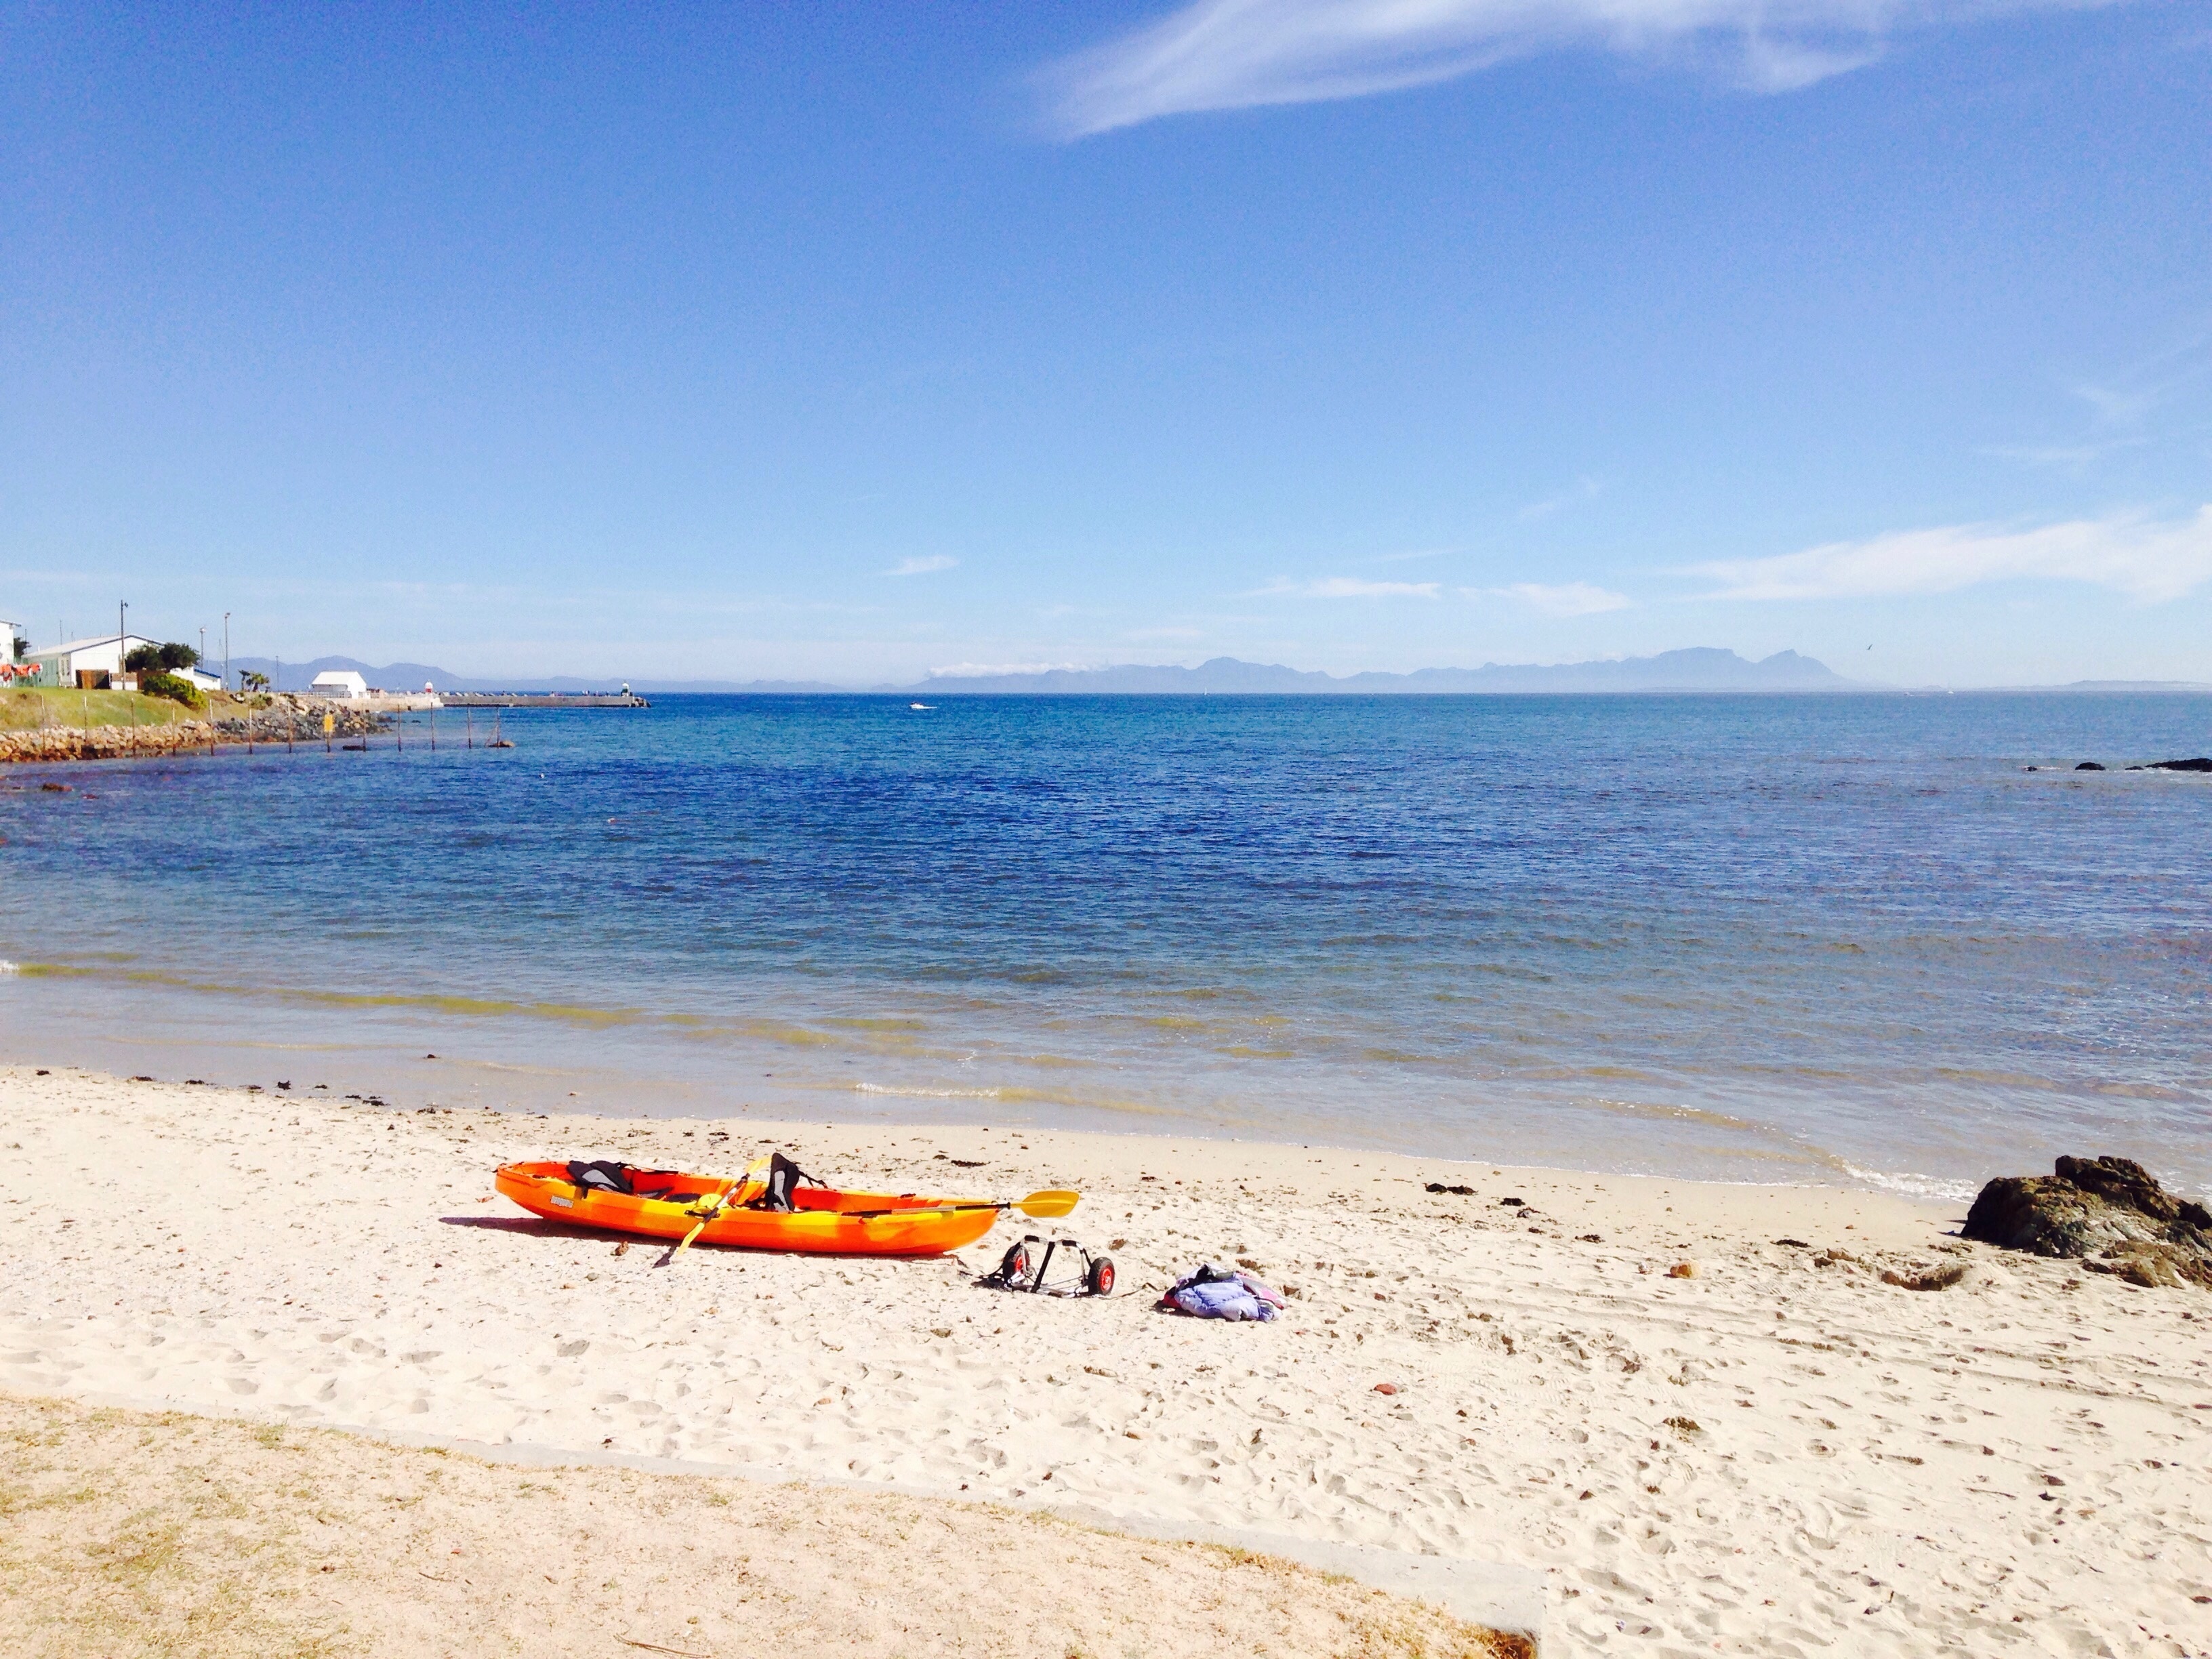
541 699
283 722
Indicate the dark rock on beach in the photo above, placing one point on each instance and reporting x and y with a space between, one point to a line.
2107 1213
2090 766
2201 763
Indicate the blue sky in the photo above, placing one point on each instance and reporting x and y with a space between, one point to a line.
853 342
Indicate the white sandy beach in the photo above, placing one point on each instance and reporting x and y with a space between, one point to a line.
1781 1455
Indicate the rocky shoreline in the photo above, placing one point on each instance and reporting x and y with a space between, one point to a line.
286 719
2107 1213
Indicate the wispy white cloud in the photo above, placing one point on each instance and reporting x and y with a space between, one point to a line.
1349 587
2145 559
1584 488
1237 54
1408 557
922 566
2076 457
2133 408
1560 599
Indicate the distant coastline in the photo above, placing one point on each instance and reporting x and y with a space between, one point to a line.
1701 669
1693 671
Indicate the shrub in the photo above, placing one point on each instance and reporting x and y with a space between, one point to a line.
160 657
173 688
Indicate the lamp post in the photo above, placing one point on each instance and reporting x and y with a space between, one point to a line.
122 637
226 651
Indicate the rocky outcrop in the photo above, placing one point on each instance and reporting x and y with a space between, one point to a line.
284 719
2107 1213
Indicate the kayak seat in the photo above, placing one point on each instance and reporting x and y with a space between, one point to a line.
780 1191
601 1176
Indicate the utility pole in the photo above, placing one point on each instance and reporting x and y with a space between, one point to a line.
123 633
226 651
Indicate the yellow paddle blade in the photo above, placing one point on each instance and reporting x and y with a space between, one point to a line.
1054 1202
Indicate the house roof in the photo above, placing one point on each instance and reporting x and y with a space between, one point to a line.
96 640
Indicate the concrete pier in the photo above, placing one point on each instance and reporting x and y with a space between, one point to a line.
541 699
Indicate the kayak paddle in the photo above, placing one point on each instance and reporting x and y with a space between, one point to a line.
706 1214
1052 1202
1055 1201
717 1204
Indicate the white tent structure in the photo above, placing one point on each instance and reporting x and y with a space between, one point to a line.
342 684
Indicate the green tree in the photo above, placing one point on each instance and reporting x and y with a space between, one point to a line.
161 658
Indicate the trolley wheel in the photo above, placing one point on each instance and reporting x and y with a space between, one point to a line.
1015 1265
1100 1279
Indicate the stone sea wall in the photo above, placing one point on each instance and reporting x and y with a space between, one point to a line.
284 719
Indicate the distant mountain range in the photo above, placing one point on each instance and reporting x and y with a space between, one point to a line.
1701 669
1698 669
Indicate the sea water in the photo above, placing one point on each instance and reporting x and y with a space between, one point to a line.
1775 939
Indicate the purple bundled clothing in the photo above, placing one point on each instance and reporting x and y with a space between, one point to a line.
1214 1292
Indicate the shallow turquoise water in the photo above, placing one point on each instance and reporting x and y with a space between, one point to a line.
1810 938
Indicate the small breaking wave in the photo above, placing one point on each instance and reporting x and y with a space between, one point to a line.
9 970
1908 1185
928 1094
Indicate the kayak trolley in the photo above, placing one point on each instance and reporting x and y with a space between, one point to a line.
1028 1266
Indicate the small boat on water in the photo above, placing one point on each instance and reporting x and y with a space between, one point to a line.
921 707
744 1211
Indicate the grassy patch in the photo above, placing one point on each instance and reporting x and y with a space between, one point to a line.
167 1562
32 708
163 1536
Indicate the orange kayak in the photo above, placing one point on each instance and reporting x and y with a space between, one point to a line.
669 1205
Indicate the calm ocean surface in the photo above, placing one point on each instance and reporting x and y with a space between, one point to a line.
1839 938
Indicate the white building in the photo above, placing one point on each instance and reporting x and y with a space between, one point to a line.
63 664
103 655
339 682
